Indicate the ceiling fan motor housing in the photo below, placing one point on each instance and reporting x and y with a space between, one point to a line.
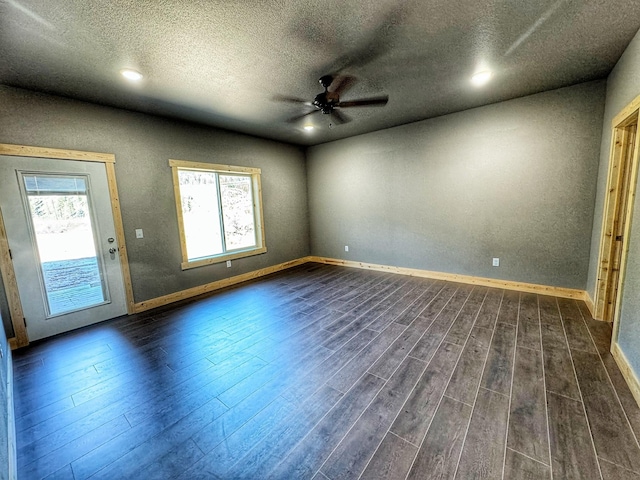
326 101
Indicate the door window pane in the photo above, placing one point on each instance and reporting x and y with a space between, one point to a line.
40 184
65 240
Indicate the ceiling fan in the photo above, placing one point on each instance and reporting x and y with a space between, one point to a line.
328 102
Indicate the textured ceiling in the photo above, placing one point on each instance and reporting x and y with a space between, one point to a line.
224 63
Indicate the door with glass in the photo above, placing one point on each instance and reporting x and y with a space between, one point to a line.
60 230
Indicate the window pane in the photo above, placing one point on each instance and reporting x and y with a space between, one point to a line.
199 197
237 211
44 184
66 245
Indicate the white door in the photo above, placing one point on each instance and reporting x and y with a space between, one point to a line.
59 224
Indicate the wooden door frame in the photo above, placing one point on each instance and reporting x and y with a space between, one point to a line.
6 266
618 154
20 338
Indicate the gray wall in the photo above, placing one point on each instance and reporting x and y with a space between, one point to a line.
623 85
143 144
514 180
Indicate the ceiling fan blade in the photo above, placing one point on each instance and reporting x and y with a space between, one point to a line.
342 83
339 117
287 99
365 102
372 45
300 117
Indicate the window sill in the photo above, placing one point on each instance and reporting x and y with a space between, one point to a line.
223 258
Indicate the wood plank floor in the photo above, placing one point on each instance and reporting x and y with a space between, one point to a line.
332 373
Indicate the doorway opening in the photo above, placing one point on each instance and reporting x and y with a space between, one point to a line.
621 186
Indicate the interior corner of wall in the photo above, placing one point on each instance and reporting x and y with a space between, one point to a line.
588 300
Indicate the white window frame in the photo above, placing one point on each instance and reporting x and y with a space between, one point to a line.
256 187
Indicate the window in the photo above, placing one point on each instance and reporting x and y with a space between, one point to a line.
219 212
64 233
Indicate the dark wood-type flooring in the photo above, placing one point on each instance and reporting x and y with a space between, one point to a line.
332 373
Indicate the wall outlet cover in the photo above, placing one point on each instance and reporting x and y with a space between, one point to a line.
496 262
139 233
228 263
346 248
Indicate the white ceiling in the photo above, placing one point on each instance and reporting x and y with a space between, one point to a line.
223 63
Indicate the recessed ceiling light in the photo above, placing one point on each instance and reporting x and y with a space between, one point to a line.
308 128
130 74
480 78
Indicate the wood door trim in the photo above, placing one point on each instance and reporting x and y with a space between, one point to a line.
619 155
633 180
118 225
608 219
108 159
622 118
21 339
55 153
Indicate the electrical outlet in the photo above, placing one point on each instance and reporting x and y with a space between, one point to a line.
228 263
496 262
139 233
346 248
